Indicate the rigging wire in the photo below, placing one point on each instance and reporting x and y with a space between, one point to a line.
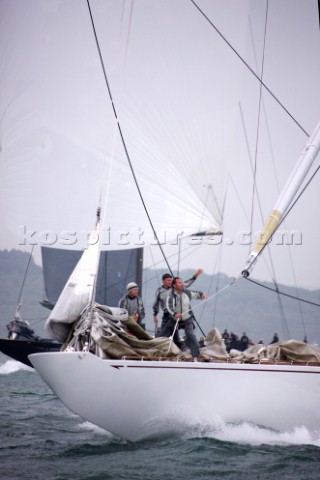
25 276
244 211
122 137
179 256
249 68
255 166
262 83
206 203
278 188
217 266
193 247
298 296
282 293
218 269
277 182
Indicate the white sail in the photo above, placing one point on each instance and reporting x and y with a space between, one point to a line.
78 291
64 122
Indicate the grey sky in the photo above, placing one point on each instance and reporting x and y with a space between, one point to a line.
188 109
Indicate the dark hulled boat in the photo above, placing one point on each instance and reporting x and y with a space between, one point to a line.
116 269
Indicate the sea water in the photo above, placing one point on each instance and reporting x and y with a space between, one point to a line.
41 439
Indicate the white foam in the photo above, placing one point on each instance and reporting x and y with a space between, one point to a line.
255 435
98 430
252 434
192 425
11 366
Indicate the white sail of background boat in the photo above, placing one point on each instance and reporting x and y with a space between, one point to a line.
116 269
185 102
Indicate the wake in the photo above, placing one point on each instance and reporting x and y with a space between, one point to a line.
254 435
194 426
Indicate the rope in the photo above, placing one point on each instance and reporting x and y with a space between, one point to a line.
249 68
205 300
122 137
174 331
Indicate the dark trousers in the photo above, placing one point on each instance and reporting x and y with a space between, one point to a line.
165 318
191 339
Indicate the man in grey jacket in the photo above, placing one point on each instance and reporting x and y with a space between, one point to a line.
181 315
161 295
133 304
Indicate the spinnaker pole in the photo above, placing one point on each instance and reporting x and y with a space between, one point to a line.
286 197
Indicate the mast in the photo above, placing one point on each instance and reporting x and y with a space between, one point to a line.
288 193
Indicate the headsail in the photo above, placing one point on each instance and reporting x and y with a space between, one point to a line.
79 289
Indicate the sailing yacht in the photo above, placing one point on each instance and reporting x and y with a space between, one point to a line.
276 394
165 110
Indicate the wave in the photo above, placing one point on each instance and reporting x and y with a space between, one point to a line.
12 366
256 435
193 426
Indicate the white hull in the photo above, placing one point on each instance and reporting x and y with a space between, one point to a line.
134 399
